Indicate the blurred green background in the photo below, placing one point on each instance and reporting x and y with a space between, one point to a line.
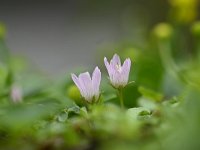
41 43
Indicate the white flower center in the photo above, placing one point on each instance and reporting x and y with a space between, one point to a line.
118 67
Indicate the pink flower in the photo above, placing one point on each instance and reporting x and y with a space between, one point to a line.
16 94
118 73
88 86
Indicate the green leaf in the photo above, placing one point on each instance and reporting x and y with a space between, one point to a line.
150 94
63 117
134 113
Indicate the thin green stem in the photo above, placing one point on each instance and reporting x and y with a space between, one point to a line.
167 59
168 62
121 97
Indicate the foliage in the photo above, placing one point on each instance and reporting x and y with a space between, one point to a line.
161 106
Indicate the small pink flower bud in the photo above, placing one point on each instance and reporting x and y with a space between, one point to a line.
88 86
16 94
118 74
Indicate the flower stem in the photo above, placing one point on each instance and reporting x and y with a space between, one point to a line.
166 58
121 97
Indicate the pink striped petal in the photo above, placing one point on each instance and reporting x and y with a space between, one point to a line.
115 61
118 74
96 78
86 83
78 84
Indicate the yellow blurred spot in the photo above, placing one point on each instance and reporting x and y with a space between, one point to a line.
184 11
196 28
74 94
163 31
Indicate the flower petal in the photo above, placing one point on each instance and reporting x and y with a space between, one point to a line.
75 79
96 78
86 83
115 61
78 84
126 70
108 67
106 63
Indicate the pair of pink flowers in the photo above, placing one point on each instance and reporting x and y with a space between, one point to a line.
89 86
